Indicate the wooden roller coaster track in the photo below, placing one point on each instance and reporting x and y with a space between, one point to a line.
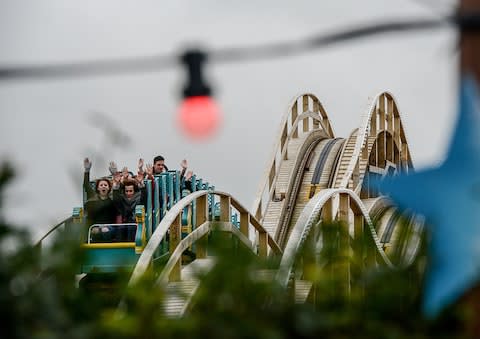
311 178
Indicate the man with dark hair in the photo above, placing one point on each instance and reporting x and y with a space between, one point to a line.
159 165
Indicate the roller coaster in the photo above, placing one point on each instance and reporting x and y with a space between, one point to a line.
312 178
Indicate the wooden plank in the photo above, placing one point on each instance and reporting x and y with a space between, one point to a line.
225 208
342 266
175 238
262 245
381 112
302 290
306 122
373 125
244 222
201 218
294 117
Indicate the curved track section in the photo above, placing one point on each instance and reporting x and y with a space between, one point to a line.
379 144
181 282
320 208
306 182
292 156
171 222
400 234
288 140
311 178
378 147
60 226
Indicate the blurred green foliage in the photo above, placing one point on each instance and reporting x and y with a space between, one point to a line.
39 298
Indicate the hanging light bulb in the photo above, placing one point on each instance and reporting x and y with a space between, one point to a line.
199 115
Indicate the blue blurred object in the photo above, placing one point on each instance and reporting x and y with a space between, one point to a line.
449 197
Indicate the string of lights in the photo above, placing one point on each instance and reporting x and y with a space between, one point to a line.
199 115
158 63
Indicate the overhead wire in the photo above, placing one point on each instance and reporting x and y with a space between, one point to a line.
158 63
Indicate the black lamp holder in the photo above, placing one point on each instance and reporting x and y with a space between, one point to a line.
196 86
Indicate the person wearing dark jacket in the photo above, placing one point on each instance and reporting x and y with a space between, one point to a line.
127 194
159 165
134 193
99 206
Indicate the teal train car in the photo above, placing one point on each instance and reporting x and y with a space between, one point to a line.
111 248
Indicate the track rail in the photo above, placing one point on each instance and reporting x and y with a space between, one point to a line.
292 201
321 207
315 117
382 115
171 222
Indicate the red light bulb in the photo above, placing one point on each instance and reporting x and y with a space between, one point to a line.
199 117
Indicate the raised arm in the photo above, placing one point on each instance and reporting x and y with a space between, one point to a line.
140 165
112 168
149 171
183 165
87 165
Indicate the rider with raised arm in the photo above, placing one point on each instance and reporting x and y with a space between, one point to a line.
128 193
185 176
99 206
159 165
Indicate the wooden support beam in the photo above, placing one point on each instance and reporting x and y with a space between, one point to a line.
343 208
262 244
381 156
390 115
244 222
283 142
294 117
356 174
358 225
316 109
342 264
389 148
258 212
201 247
381 112
370 254
306 121
225 208
327 211
373 124
404 157
364 154
175 238
271 175
328 128
202 214
397 128
396 136
309 257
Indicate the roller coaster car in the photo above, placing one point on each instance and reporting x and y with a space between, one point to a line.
112 248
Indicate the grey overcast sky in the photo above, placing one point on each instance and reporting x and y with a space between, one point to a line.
48 127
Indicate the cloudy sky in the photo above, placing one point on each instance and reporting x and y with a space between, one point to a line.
48 126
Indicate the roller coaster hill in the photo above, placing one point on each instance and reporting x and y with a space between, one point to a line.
312 178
